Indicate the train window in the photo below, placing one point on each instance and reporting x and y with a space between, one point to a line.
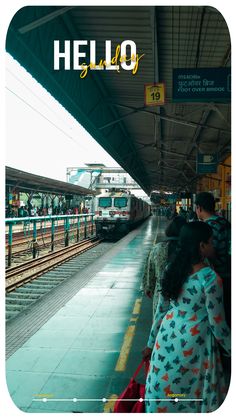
105 202
120 202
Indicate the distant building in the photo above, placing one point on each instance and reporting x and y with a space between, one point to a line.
101 178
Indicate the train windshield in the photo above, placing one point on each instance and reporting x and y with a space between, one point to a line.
120 202
105 202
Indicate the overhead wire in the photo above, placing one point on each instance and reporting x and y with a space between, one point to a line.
45 117
35 95
45 104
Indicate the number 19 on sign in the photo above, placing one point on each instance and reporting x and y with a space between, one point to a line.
154 94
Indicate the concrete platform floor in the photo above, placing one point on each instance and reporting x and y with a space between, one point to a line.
90 347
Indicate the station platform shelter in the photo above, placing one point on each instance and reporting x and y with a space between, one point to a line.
34 194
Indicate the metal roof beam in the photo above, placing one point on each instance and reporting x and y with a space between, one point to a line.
119 119
167 118
45 19
101 87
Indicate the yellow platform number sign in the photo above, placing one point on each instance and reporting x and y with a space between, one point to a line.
154 94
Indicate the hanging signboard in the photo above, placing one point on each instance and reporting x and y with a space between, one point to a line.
202 84
154 94
207 163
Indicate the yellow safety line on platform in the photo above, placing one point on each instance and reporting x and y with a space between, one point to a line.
109 406
137 306
134 319
128 339
124 353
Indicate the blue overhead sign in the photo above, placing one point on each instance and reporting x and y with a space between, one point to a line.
202 84
207 163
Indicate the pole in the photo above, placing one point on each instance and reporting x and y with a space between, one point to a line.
9 245
85 227
78 230
67 227
52 235
35 245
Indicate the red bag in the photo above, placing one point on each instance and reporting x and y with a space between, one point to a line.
134 392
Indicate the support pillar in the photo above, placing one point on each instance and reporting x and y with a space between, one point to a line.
34 244
85 227
9 245
67 228
52 235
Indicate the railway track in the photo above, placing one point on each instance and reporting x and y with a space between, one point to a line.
30 270
22 254
23 250
20 239
22 246
24 288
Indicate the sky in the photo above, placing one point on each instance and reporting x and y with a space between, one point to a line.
44 138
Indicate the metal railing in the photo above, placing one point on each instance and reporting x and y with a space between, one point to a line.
85 222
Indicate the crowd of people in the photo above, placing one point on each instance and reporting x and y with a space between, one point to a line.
33 211
188 276
170 213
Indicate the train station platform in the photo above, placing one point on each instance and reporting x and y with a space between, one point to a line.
78 345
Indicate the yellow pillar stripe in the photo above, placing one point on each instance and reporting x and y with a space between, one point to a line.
137 306
124 353
109 406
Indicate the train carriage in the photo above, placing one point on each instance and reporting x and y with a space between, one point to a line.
116 213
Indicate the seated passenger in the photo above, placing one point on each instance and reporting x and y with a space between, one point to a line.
188 328
158 258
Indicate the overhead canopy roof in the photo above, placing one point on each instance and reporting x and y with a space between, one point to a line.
26 182
157 146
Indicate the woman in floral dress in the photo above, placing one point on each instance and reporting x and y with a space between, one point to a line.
185 373
158 258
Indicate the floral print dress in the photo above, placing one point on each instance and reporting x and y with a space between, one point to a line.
185 366
154 269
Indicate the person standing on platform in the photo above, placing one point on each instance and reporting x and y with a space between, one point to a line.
182 212
205 210
188 328
191 215
25 212
21 211
158 258
32 211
